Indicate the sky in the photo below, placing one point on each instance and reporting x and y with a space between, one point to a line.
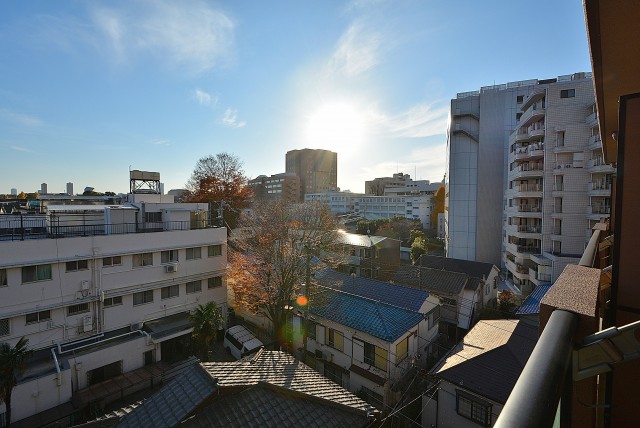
90 90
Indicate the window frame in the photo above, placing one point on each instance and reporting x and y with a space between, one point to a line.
171 291
210 281
330 339
37 268
476 410
143 260
214 250
6 321
110 302
112 261
4 278
172 257
194 287
40 316
77 265
145 297
373 357
568 93
80 308
196 253
400 357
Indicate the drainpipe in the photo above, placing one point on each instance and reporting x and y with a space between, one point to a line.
55 360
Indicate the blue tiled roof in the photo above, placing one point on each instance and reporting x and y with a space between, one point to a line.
392 294
373 317
531 304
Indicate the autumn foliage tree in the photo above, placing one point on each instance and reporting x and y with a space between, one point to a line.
220 178
272 257
438 207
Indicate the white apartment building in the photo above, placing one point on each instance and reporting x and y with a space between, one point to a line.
102 290
508 146
370 207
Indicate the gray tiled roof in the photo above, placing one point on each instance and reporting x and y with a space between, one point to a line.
433 280
265 405
490 358
281 369
174 401
472 268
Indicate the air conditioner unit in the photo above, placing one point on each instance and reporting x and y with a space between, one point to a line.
171 268
87 323
84 285
568 165
328 356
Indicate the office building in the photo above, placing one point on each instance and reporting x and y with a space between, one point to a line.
317 169
284 186
43 189
69 188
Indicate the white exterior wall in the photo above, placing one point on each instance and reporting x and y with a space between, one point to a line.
441 411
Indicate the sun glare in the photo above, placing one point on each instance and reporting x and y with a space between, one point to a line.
336 126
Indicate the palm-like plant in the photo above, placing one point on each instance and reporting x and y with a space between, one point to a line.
12 364
206 321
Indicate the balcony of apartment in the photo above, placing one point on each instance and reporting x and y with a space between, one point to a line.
599 188
533 114
535 96
528 190
558 189
518 270
527 152
598 165
598 211
595 143
539 278
540 259
529 210
523 250
592 120
462 129
527 169
556 233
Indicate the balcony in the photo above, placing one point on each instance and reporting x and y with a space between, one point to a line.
595 142
532 151
540 260
598 164
533 114
529 208
530 228
536 96
599 188
592 120
529 169
539 278
596 212
528 190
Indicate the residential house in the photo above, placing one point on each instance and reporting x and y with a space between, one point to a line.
366 335
101 291
366 255
473 381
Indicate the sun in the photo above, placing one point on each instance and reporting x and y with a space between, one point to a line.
337 126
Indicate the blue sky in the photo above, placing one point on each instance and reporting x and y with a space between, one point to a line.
90 89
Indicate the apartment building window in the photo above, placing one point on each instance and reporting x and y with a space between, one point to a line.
112 301
194 253
76 265
375 356
143 298
519 99
81 308
402 349
168 256
36 273
567 93
434 317
4 327
111 261
36 317
215 250
194 287
143 259
473 408
169 292
3 278
214 282
334 338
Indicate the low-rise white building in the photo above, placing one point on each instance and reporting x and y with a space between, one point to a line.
101 290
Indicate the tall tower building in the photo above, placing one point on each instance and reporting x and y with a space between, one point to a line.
526 180
317 169
14 191
43 189
69 188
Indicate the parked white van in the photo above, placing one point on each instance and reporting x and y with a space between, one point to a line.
240 342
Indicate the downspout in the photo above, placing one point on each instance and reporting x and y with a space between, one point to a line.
55 360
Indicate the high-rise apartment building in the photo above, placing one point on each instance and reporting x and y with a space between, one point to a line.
69 188
43 189
278 186
526 180
317 169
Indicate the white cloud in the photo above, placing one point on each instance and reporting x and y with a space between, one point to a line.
357 51
19 118
20 149
161 143
230 119
204 98
421 120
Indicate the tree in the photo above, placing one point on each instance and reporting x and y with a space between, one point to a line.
438 206
12 364
418 248
220 178
415 233
22 195
274 257
206 321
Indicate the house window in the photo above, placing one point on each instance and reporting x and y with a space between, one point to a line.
194 253
76 265
143 297
143 259
153 217
215 250
214 282
311 330
334 338
168 256
375 356
434 317
567 93
4 327
112 261
78 309
36 317
36 273
169 292
112 301
473 408
3 278
194 287
402 349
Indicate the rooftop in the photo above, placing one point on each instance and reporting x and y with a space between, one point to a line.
472 268
434 280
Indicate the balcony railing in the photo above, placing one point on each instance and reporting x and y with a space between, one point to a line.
48 230
528 249
529 187
528 228
527 208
